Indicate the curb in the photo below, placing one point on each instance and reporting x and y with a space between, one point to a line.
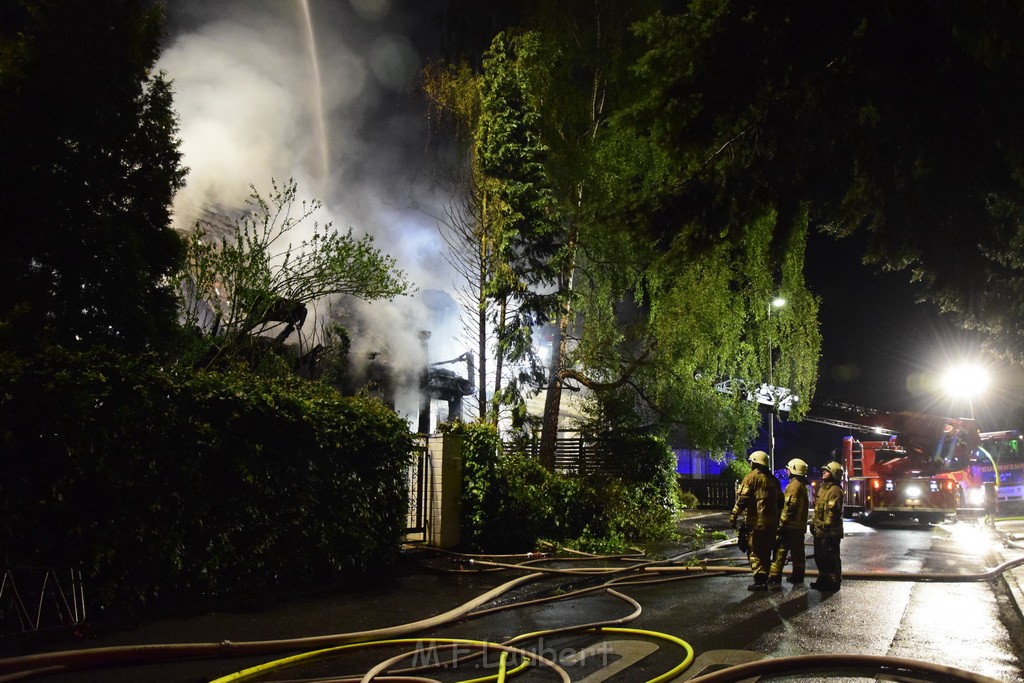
1013 579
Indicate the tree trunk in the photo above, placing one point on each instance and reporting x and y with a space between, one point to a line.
553 400
502 308
482 406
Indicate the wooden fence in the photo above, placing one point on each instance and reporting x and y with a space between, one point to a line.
573 456
715 494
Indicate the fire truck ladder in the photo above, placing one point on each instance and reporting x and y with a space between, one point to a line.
858 451
852 426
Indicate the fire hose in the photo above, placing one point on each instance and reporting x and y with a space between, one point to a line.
30 666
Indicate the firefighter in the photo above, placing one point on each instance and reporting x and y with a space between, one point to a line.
789 539
758 499
827 529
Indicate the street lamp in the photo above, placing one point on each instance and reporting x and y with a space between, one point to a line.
777 302
966 381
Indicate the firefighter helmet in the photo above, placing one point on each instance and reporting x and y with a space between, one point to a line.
758 458
797 466
835 469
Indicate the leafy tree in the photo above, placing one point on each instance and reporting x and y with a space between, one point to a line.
650 309
896 118
256 280
91 163
660 309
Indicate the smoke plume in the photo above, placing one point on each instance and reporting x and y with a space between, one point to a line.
326 93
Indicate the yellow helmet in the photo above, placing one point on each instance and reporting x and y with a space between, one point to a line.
758 458
797 466
835 469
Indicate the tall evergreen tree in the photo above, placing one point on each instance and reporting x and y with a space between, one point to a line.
504 231
91 164
511 157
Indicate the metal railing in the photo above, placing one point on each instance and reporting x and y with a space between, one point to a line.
40 598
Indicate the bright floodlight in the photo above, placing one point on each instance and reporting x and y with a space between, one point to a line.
965 381
778 302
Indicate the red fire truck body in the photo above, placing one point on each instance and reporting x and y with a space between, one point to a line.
915 474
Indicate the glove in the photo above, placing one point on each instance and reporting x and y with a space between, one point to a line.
732 523
742 541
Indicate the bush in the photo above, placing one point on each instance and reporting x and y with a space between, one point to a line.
688 501
167 486
511 502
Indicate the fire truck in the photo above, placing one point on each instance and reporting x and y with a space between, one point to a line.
924 467
998 461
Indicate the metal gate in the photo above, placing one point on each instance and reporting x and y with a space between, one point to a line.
420 484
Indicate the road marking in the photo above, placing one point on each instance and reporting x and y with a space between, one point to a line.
715 660
629 652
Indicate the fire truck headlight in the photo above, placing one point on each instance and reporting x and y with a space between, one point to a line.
913 492
976 497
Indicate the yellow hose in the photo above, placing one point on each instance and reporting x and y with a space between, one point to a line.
677 669
500 676
260 669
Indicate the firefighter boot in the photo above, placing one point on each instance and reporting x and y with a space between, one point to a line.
774 583
795 578
760 583
825 583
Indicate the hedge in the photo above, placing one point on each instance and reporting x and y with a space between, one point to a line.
168 486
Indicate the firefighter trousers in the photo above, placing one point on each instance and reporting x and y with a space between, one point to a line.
761 542
790 545
827 559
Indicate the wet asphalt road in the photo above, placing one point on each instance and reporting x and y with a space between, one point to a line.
971 625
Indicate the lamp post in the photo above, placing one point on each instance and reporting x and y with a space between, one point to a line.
965 381
777 302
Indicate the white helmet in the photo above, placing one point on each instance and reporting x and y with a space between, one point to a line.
758 458
835 469
797 466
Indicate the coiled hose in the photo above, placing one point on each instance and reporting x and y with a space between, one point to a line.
29 666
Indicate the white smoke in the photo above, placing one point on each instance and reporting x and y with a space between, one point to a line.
250 108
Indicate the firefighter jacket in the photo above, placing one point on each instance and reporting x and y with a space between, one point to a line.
759 498
828 511
795 506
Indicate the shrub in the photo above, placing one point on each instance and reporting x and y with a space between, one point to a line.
168 486
688 501
511 502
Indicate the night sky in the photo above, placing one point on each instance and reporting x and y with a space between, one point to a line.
883 351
